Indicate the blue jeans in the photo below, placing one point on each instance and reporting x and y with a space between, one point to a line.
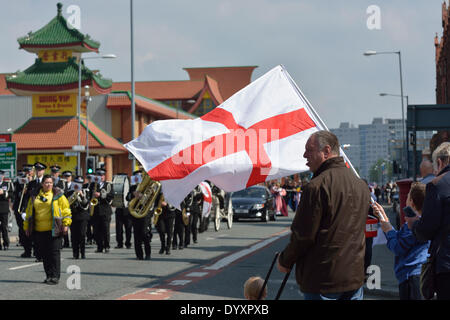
349 295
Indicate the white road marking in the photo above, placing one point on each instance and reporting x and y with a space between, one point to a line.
197 274
237 255
179 282
25 266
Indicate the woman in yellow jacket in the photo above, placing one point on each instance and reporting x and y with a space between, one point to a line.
48 218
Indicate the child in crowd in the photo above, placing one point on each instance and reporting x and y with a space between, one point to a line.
252 288
410 253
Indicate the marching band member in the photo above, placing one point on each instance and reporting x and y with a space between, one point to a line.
57 182
6 192
165 226
123 221
65 185
187 204
141 226
196 212
67 180
89 230
80 216
102 211
19 206
178 231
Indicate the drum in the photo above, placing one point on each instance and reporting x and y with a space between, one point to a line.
121 186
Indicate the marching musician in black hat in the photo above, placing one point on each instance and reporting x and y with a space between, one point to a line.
33 189
19 206
103 192
6 192
141 226
79 205
165 225
123 221
57 182
90 227
66 185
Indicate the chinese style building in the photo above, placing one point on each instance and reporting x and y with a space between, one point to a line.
53 83
40 104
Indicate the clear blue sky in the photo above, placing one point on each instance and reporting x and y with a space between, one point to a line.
321 43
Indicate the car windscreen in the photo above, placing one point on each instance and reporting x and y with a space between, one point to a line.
250 193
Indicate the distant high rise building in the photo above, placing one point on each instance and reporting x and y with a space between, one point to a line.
382 139
349 139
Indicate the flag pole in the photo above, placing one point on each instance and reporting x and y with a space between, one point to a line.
317 118
314 114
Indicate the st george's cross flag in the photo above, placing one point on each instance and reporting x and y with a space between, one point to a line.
257 135
207 198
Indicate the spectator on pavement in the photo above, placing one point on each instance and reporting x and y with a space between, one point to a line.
410 253
327 243
426 171
434 224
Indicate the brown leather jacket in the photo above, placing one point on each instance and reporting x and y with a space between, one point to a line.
327 243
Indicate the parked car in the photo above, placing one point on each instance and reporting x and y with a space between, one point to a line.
255 202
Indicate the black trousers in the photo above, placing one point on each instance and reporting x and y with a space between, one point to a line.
141 233
178 230
410 289
78 236
123 221
194 225
443 286
165 229
187 232
4 228
101 231
49 249
89 231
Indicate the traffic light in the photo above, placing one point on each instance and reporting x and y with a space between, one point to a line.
90 165
395 167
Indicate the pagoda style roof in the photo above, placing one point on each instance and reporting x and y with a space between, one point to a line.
58 34
45 134
56 77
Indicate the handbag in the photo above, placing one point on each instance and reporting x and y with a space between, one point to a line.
428 273
428 278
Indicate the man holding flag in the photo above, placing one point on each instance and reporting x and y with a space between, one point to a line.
327 243
257 135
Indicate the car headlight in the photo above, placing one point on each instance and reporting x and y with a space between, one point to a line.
258 206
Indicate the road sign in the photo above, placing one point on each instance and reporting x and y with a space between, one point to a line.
8 158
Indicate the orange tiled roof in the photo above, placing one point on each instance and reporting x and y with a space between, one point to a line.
162 90
3 89
123 100
62 133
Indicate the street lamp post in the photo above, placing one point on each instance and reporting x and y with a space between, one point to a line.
407 138
372 53
105 56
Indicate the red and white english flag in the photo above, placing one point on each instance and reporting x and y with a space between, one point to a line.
207 198
258 134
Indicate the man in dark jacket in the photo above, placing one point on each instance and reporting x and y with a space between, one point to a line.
435 221
327 244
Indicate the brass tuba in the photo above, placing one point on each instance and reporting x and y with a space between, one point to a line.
140 207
